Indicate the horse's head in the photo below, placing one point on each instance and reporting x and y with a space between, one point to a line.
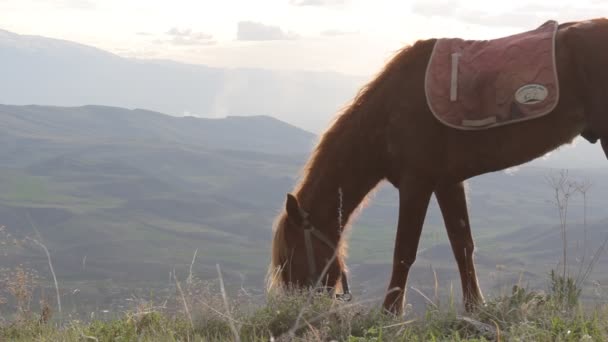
304 254
587 42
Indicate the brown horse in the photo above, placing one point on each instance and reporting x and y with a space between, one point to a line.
389 132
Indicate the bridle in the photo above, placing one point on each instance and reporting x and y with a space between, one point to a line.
309 232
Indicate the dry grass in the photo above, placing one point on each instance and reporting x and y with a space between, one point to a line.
522 315
19 284
203 311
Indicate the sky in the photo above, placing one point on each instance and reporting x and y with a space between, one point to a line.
347 36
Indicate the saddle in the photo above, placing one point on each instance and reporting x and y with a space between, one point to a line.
478 84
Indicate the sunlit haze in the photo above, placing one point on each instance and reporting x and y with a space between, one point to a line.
348 36
185 161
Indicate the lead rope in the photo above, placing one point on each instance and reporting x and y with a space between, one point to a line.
308 230
340 210
312 270
345 295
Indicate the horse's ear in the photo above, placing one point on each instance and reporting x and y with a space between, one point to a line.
294 212
586 43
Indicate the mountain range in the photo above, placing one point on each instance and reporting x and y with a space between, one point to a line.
124 197
40 70
46 71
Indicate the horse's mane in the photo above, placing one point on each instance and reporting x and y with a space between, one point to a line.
333 143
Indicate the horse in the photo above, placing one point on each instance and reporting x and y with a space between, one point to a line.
388 133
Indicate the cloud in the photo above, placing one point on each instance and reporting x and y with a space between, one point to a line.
521 17
565 12
188 37
336 33
435 9
250 30
75 4
511 19
319 3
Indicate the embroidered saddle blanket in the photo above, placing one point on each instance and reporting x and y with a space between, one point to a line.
475 85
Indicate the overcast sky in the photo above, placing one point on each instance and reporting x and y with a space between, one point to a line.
349 36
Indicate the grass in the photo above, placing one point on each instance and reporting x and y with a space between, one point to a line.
518 315
22 190
199 312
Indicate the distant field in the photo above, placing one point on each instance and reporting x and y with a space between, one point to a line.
135 204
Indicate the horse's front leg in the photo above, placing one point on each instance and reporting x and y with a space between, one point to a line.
453 204
414 196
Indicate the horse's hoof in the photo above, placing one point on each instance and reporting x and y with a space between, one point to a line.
344 297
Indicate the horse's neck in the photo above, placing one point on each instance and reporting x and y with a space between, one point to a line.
333 192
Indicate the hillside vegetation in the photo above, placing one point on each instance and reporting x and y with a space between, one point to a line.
124 198
521 315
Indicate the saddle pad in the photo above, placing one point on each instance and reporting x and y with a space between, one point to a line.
475 85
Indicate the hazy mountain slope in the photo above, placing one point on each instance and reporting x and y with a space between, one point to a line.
131 194
123 197
38 70
101 124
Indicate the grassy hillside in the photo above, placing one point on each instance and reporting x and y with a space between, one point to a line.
124 198
127 196
521 315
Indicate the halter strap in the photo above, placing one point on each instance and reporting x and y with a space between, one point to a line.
312 267
309 232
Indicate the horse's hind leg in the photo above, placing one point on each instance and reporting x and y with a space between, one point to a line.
452 201
414 196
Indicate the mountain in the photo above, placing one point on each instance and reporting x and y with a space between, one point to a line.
124 197
39 70
254 133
